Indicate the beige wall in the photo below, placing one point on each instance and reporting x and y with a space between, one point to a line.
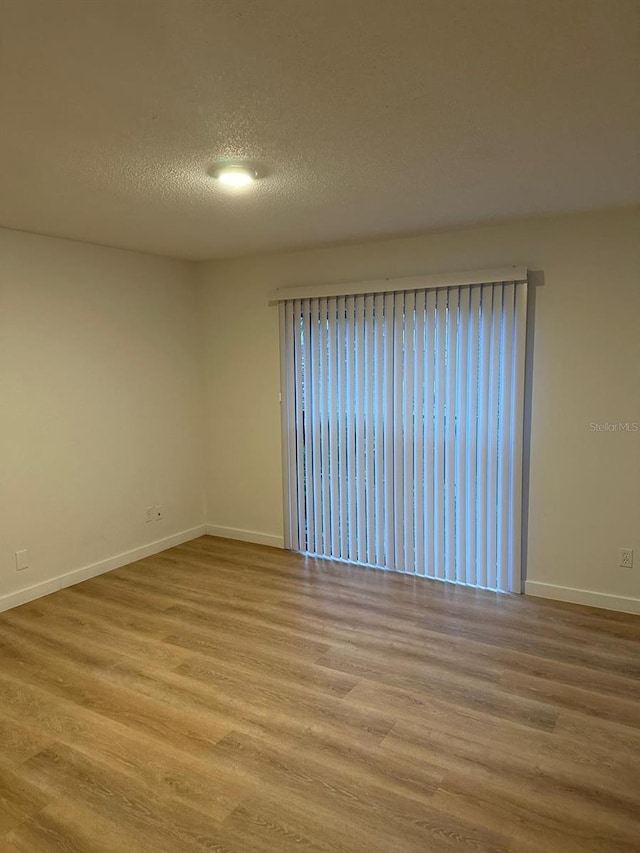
101 405
584 498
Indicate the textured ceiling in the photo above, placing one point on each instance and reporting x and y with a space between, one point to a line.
369 117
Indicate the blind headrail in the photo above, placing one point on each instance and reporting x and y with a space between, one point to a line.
392 285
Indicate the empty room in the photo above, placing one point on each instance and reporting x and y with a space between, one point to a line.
320 426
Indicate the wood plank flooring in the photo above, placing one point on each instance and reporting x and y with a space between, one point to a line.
235 698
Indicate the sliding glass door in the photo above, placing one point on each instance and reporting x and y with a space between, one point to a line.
402 429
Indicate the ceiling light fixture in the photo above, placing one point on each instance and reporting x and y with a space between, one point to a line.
235 176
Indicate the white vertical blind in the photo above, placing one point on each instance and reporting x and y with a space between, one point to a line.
402 429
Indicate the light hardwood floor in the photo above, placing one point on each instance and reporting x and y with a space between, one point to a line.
233 698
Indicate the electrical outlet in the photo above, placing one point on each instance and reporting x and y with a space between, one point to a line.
22 560
159 512
150 513
626 558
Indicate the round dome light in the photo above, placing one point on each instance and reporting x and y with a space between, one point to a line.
235 176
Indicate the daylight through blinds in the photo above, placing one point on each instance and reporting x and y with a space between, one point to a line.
402 430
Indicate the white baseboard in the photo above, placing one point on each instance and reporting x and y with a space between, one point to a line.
583 596
22 596
246 535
